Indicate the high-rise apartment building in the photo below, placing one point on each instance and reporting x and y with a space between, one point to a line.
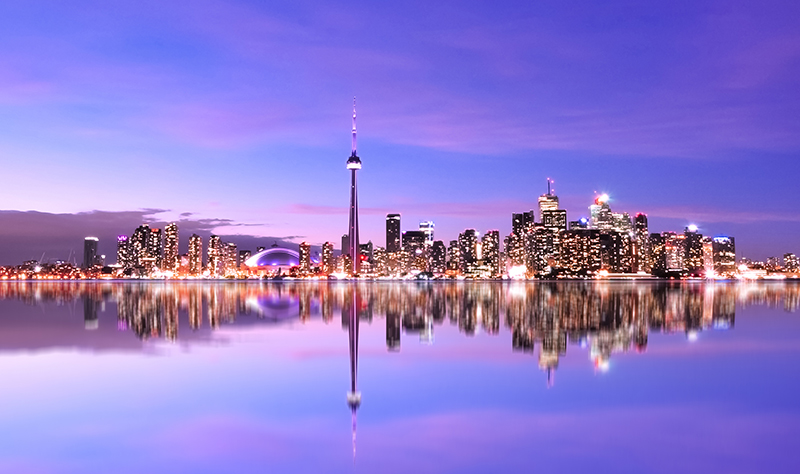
215 263
195 255
393 242
124 252
641 244
231 262
305 258
454 262
490 252
327 258
171 247
155 248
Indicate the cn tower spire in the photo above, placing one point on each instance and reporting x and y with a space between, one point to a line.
354 127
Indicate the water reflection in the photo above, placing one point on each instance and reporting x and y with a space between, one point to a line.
607 317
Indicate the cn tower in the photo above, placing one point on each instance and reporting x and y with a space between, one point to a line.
354 164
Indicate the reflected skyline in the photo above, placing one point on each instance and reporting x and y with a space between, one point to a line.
544 318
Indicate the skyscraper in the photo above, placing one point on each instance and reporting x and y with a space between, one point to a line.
327 258
171 247
426 227
468 249
195 255
155 249
641 244
393 232
490 250
549 201
724 255
123 252
215 255
89 251
305 258
354 164
693 249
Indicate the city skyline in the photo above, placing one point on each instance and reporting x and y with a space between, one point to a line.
116 117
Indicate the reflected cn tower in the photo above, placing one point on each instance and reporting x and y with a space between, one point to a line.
354 164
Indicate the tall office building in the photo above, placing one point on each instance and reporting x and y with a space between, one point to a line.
89 251
641 244
393 242
123 252
327 258
438 257
354 164
305 258
724 255
414 241
215 262
674 251
555 219
195 255
658 256
604 220
345 244
231 262
549 201
468 249
155 248
490 252
454 263
139 245
426 227
693 249
521 223
171 247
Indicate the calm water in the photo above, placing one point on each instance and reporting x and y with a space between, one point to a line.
462 377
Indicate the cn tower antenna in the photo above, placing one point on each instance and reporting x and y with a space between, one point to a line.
354 126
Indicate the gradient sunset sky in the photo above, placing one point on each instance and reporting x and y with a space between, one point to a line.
234 117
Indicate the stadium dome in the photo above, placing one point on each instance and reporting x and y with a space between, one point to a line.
274 257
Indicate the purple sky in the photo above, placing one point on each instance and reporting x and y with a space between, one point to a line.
239 113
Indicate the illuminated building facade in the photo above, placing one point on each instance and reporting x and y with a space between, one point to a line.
674 251
171 247
658 255
414 242
230 262
124 259
155 248
327 258
521 223
724 248
195 255
215 263
693 250
490 252
426 227
438 257
468 250
549 201
305 258
393 242
454 263
641 244
791 263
